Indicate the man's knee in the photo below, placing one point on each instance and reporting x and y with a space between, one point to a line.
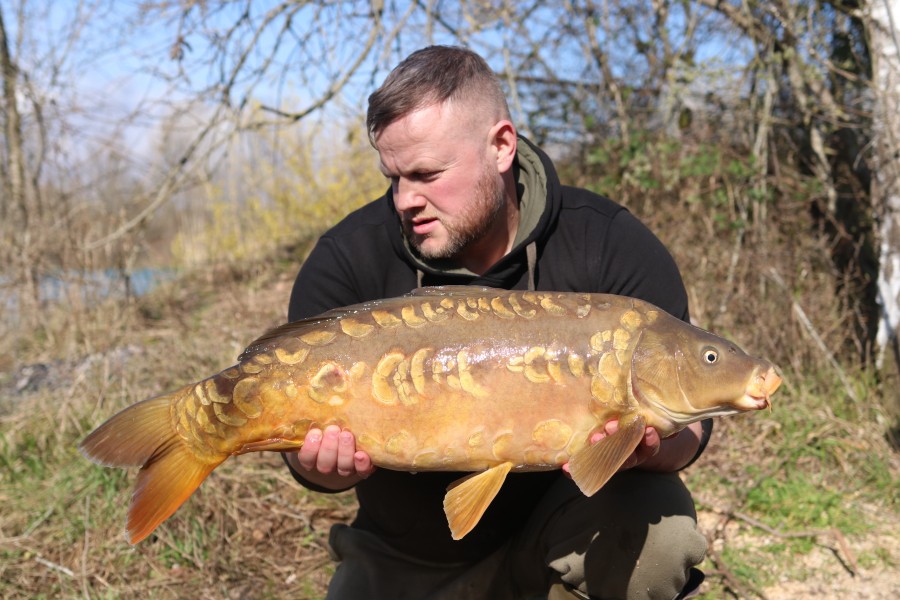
659 569
636 538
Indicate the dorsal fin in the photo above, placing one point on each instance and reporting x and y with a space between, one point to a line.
454 290
292 329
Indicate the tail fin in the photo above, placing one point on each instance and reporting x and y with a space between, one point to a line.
143 435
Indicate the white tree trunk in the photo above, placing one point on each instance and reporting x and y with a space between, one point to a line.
884 46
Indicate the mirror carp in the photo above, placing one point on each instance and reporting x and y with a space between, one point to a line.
448 379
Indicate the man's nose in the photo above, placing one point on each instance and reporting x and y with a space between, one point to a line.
407 195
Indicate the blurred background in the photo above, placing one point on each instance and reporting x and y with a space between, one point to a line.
166 166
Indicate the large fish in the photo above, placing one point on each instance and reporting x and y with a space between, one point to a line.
445 379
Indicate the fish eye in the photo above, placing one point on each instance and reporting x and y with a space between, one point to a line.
710 355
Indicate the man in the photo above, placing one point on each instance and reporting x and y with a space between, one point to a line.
471 202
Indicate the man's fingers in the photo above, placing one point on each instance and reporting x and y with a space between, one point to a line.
334 450
326 461
363 464
346 449
310 450
651 441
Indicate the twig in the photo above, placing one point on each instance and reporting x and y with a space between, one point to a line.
170 183
36 523
807 324
314 566
85 548
54 566
305 520
849 564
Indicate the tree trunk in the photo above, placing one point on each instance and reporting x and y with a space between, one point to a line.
884 47
17 217
15 168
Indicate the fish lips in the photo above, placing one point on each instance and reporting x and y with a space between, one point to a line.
762 385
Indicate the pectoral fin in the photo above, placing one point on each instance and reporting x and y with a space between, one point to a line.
592 467
468 498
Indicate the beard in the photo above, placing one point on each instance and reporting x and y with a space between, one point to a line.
468 227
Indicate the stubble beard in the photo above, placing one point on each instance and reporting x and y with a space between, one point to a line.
467 228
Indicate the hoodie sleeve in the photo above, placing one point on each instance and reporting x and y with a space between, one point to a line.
325 281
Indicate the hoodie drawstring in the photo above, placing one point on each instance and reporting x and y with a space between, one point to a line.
531 255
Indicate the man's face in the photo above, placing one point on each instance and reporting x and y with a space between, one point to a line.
448 192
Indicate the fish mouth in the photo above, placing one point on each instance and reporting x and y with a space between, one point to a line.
761 387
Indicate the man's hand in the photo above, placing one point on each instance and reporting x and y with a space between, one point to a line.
648 447
654 453
330 459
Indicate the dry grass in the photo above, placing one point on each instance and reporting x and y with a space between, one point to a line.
250 532
799 491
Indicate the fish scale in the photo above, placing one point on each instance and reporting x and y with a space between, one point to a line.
451 379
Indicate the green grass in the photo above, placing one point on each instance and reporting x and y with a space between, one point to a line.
799 501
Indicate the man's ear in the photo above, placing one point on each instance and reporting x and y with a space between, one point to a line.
503 141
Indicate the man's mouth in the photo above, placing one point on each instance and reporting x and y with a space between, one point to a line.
423 225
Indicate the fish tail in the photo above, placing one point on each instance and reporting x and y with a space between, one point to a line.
143 435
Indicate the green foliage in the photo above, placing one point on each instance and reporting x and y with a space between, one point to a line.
652 169
746 566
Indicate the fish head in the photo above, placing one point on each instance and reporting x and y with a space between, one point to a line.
683 374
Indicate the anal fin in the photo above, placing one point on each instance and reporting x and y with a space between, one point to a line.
468 498
592 467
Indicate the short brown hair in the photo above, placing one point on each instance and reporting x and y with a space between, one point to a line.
430 76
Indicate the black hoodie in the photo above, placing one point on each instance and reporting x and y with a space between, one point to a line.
569 240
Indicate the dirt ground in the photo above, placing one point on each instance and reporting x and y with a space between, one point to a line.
836 567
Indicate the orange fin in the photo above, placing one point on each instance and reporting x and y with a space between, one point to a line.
132 436
143 435
162 486
468 498
592 467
